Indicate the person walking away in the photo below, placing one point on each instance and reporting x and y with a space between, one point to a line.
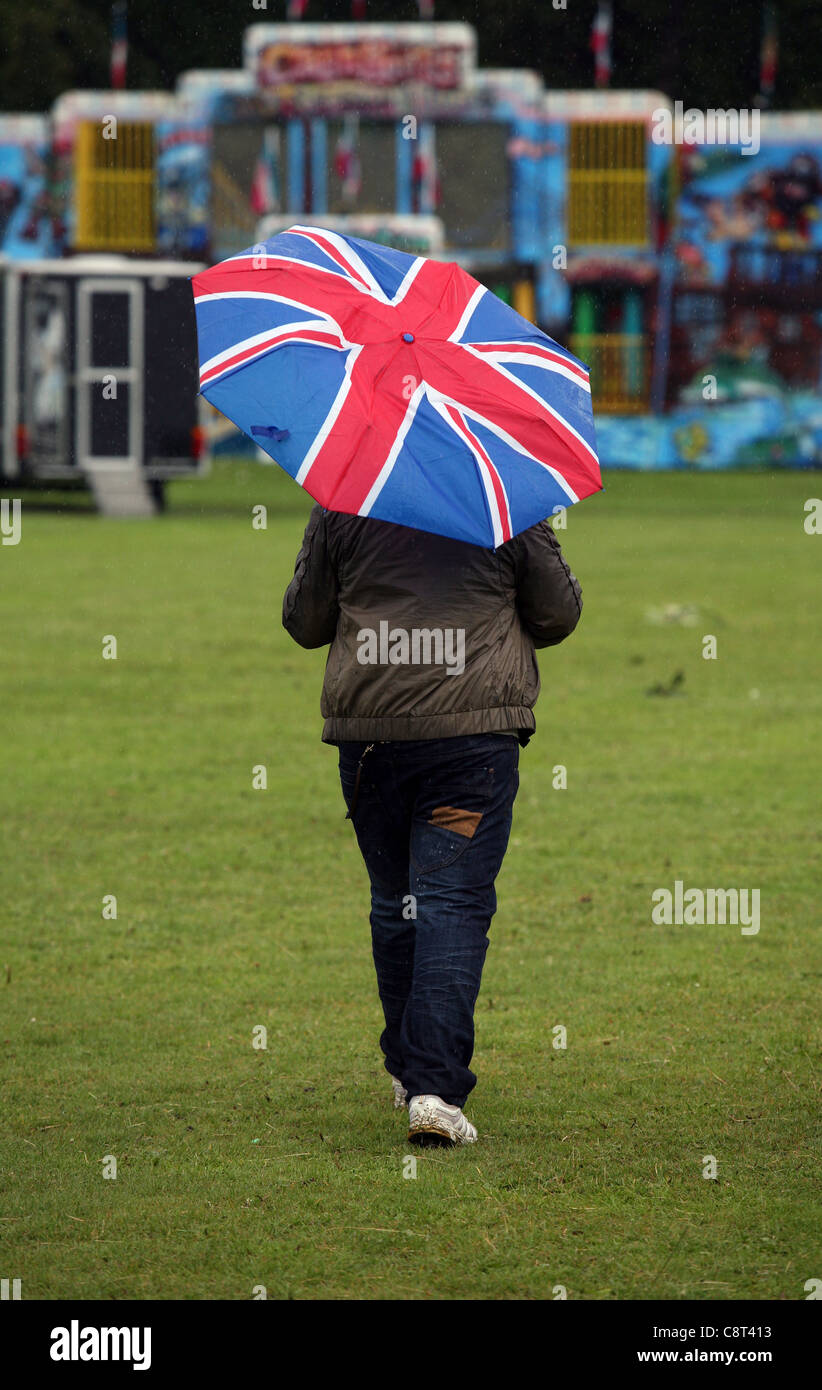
429 690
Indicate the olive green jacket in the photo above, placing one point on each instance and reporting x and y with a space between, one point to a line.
430 637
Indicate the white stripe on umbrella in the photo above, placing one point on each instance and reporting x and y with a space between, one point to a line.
506 438
328 423
545 405
247 345
533 355
393 453
495 494
346 256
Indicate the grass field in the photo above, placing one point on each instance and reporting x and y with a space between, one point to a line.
239 1167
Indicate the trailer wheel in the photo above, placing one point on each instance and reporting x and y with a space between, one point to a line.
157 488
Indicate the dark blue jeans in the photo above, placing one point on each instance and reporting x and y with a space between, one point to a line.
432 819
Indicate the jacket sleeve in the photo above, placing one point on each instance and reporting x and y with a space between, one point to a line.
549 599
310 605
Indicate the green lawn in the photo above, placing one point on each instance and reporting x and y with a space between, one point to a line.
237 908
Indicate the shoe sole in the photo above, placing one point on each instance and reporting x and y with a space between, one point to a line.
429 1138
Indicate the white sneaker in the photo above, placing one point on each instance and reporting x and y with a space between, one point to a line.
432 1122
400 1093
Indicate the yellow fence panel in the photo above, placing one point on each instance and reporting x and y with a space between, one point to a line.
607 184
619 364
114 186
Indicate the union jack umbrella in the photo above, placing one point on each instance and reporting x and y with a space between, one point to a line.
395 386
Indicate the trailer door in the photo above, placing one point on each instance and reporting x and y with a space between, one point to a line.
109 421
